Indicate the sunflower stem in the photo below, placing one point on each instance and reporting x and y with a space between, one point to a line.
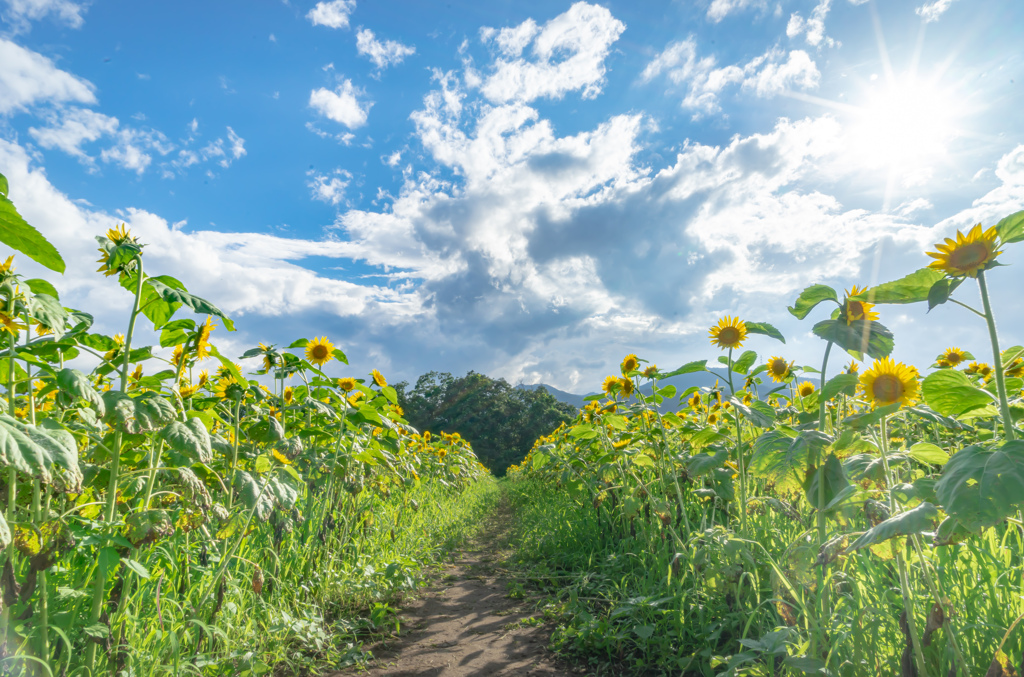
1004 403
821 389
973 310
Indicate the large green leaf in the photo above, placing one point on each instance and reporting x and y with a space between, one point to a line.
941 290
929 453
175 294
745 362
78 385
863 336
47 452
701 464
48 310
147 526
764 329
784 460
982 487
758 413
688 368
843 383
951 393
910 289
140 414
253 495
809 298
834 478
285 491
862 421
175 333
42 287
18 235
1011 229
905 524
190 438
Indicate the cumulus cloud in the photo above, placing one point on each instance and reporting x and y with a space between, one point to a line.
932 11
72 128
333 14
568 54
382 54
20 12
812 28
342 104
767 75
329 189
28 78
719 9
135 147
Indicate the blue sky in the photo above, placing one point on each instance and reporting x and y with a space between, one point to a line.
528 189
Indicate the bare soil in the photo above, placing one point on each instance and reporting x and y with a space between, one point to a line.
466 623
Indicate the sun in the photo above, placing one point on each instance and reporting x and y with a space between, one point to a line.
904 124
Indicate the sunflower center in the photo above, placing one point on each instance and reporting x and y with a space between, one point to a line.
778 367
968 256
729 335
887 388
855 309
319 352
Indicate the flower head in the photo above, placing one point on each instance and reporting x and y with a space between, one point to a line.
289 394
347 384
852 367
968 254
650 371
953 356
7 267
629 363
319 351
379 379
625 386
857 310
203 340
888 382
779 369
10 325
611 385
805 388
730 332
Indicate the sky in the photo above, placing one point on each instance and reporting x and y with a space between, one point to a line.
530 190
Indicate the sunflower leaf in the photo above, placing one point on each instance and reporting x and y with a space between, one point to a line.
742 365
843 383
861 421
48 310
833 476
764 329
809 298
78 385
190 438
1011 229
951 393
688 368
17 234
784 460
863 336
982 487
910 289
905 524
173 294
229 365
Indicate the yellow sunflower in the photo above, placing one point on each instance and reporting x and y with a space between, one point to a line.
269 358
967 254
626 386
730 332
379 379
203 378
354 398
953 356
118 344
289 394
805 388
42 330
629 363
611 385
1016 368
120 234
10 325
712 418
319 351
857 310
137 374
227 387
978 368
7 266
203 342
177 355
347 384
852 367
888 382
651 371
187 390
778 369
694 401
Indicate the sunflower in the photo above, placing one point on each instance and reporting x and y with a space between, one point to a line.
354 398
42 330
1016 368
203 378
857 310
379 379
7 267
651 371
269 356
978 368
319 351
953 356
227 388
805 388
120 234
177 355
289 395
137 374
629 363
779 369
118 344
10 325
712 418
347 384
626 386
730 332
187 390
852 367
203 341
967 255
611 385
888 382
694 401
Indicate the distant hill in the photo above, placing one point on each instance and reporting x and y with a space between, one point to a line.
560 395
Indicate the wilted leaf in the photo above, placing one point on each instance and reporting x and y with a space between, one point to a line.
143 413
40 452
834 480
147 526
190 438
252 495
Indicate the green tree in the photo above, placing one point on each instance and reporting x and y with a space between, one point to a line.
500 421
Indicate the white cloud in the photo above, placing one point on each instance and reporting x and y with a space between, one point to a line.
382 54
333 14
932 11
20 12
512 40
719 9
237 144
134 148
329 189
569 53
767 75
344 138
341 105
75 127
812 28
28 78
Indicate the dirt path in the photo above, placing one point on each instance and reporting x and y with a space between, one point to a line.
465 623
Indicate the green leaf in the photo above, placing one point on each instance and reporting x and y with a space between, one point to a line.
176 294
940 291
1011 229
340 356
5 530
833 476
758 413
905 524
811 297
48 310
861 421
175 333
284 491
764 329
42 287
18 235
982 487
140 570
688 368
78 385
910 289
145 413
784 460
701 464
842 383
926 452
147 526
252 497
951 393
864 336
42 451
190 438
4 187
742 365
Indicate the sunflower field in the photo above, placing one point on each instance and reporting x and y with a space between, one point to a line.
795 520
171 515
